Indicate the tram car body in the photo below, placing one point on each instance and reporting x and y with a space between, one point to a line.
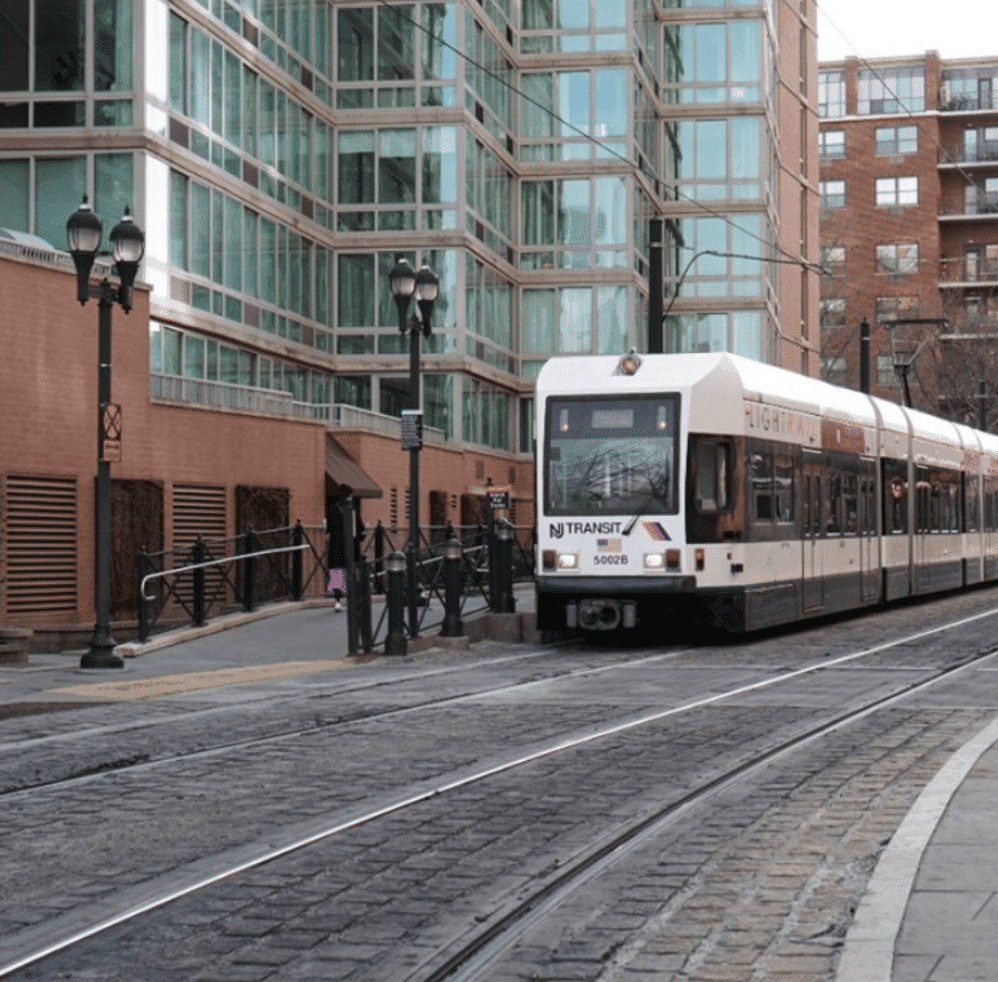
719 489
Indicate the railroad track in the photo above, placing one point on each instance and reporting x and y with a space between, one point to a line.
470 953
132 763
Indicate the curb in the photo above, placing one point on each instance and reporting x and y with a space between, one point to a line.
510 628
868 952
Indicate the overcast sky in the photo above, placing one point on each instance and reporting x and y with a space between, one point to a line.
883 28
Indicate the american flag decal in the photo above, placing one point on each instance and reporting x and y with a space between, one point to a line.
655 531
608 545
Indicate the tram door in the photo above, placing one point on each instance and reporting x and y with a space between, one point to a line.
813 573
869 559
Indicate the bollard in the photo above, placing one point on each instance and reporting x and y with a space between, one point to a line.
395 643
297 539
249 572
502 601
379 555
142 570
364 603
452 627
198 555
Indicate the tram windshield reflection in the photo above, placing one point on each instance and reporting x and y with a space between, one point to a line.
611 456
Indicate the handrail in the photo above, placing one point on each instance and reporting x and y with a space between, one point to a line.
213 562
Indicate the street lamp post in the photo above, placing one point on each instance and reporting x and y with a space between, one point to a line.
406 283
83 233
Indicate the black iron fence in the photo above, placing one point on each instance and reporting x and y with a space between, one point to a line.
191 585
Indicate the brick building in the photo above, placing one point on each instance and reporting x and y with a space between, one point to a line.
908 150
279 155
187 467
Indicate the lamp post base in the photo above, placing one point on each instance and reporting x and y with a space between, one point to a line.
101 654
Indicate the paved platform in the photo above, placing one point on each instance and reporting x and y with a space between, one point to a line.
930 913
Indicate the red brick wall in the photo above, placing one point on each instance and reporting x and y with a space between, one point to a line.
48 418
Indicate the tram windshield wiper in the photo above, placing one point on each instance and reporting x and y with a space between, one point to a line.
641 510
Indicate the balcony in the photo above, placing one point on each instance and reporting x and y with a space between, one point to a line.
962 272
268 402
986 154
984 100
983 206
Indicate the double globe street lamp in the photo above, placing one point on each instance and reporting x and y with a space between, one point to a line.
406 283
84 231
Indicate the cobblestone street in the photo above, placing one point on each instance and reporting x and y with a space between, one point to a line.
368 823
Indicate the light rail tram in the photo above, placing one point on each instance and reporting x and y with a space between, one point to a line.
716 488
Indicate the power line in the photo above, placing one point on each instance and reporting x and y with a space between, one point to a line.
603 146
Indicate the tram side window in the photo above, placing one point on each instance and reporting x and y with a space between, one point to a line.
771 475
850 502
713 476
990 504
784 489
761 476
833 524
895 486
972 502
937 500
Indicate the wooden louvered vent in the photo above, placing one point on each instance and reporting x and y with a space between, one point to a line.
41 546
197 511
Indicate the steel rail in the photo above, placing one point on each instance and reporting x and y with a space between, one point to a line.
273 852
106 769
480 953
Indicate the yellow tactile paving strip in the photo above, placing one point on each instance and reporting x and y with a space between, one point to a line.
168 685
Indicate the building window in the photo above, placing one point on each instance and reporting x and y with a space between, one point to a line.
890 90
896 141
564 111
572 27
833 260
886 376
574 224
833 313
897 191
831 144
980 143
896 308
833 370
981 197
740 332
831 94
715 62
720 158
383 54
832 194
897 258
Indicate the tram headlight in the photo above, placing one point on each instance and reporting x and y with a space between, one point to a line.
568 560
654 560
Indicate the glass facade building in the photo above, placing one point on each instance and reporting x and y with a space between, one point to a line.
280 153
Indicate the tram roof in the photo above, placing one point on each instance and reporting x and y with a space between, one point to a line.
735 375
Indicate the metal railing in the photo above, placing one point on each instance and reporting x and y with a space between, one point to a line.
190 585
212 577
272 402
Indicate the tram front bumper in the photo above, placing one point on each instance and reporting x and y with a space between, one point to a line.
615 586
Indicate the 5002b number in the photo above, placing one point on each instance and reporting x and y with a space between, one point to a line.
610 560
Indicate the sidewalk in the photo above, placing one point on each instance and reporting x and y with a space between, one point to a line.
930 913
236 649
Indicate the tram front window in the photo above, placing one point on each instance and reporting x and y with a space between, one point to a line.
611 456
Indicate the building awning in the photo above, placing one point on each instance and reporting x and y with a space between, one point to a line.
342 471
